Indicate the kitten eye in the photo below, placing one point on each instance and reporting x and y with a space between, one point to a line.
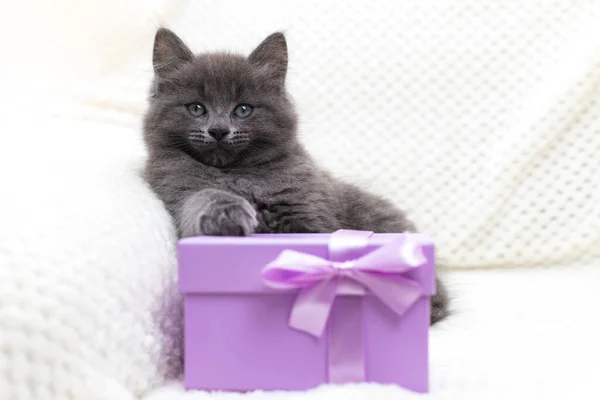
196 109
243 111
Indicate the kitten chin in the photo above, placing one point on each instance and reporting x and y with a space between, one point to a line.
218 157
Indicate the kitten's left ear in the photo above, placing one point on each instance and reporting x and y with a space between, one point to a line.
271 58
169 52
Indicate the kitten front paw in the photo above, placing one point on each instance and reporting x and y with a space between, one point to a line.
229 219
223 215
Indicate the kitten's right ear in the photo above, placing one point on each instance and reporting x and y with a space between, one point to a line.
271 58
169 52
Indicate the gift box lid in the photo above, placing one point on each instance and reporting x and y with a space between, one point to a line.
221 265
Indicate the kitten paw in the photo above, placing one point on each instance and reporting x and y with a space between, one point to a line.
229 219
224 215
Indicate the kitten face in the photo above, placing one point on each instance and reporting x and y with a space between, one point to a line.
222 109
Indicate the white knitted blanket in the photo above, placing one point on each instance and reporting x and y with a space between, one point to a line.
478 117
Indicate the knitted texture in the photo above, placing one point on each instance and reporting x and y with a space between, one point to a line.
88 301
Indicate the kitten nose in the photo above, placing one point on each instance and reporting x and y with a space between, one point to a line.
218 133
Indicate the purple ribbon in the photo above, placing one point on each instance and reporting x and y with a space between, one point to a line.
320 280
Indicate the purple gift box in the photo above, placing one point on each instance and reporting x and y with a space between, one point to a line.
293 311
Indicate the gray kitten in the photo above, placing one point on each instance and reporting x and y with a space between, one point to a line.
225 159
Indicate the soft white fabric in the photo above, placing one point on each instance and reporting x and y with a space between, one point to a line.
478 117
87 266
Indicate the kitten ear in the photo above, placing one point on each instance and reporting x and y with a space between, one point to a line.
271 58
169 52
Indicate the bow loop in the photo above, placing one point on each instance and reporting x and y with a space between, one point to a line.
294 270
399 256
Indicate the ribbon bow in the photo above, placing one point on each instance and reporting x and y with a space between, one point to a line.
320 280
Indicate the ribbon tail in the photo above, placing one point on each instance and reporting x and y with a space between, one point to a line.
346 348
312 307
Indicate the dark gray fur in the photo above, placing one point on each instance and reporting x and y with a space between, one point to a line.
258 178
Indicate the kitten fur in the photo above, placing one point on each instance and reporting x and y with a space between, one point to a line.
219 174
